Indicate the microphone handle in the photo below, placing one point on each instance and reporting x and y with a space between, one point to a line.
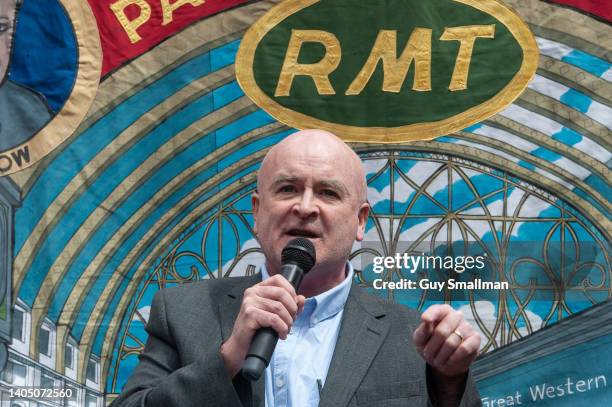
265 339
293 274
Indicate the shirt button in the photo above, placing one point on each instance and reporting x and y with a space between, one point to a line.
279 382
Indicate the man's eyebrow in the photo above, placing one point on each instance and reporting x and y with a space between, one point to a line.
282 179
336 185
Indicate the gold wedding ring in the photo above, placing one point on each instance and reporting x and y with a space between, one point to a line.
459 334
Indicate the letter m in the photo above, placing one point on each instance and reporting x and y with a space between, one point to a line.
417 50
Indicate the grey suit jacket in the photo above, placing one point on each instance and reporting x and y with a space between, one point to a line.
374 362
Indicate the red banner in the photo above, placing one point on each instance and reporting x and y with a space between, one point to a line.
598 8
129 28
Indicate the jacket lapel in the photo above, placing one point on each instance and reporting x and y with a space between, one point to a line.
229 305
251 394
362 332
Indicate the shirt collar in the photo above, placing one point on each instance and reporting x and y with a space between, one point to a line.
328 303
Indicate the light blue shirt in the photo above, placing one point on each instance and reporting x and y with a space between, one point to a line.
304 357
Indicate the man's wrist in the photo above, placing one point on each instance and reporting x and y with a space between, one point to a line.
445 390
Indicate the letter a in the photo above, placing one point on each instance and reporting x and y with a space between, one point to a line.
168 9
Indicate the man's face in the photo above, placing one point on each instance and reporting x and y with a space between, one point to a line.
310 189
7 24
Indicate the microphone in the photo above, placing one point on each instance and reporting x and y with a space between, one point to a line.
297 258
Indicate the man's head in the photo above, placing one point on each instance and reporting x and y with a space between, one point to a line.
8 11
311 185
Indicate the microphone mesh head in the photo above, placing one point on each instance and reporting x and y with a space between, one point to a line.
300 251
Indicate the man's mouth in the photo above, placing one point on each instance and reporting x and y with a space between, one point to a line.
302 233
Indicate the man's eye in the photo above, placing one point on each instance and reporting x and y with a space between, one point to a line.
4 27
330 193
286 188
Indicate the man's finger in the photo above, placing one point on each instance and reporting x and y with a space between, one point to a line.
279 294
279 281
442 331
436 313
449 346
277 307
301 300
467 352
422 334
265 319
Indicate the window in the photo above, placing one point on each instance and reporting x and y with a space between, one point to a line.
43 341
14 373
91 400
18 324
68 356
47 382
72 400
92 371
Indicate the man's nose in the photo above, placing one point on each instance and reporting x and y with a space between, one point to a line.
306 205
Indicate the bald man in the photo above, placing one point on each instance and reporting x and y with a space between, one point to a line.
339 346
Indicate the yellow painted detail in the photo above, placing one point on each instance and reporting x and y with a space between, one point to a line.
131 26
466 35
319 71
417 49
168 8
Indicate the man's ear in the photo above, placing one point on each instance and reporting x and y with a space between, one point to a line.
362 215
255 206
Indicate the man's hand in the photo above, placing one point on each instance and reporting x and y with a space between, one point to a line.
449 344
272 303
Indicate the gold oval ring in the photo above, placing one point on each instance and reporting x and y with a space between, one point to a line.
459 334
